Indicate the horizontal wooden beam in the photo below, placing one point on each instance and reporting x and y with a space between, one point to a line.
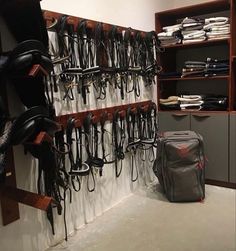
49 16
99 112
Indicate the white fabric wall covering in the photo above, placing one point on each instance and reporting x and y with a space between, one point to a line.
32 232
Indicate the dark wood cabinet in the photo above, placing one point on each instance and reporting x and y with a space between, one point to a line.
214 130
173 121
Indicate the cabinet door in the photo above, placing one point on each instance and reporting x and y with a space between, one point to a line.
174 121
232 149
214 130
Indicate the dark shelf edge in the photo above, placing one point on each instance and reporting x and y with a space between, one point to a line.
193 78
204 8
193 111
196 44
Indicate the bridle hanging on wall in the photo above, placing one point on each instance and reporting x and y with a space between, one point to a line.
108 56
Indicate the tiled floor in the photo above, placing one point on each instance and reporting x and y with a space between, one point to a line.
146 221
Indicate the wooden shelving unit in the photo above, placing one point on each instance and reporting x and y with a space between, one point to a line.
168 59
212 125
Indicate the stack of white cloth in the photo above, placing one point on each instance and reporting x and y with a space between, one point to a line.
170 35
190 102
217 27
192 30
183 101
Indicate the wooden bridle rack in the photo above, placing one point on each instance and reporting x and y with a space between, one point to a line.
50 16
98 113
10 195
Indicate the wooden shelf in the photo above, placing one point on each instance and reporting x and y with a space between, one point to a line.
198 44
194 78
194 10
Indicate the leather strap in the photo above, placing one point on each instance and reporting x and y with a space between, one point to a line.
118 132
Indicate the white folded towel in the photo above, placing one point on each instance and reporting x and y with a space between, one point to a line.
170 42
187 41
182 98
191 104
216 33
194 34
217 24
191 96
166 34
167 38
172 28
191 25
214 37
220 28
216 20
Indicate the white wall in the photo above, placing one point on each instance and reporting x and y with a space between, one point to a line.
32 232
138 14
182 3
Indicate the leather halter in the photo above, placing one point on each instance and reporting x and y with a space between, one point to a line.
103 133
87 125
118 132
78 167
147 124
133 141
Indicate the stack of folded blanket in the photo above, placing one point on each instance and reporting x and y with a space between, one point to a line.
217 27
182 102
214 103
193 68
195 102
216 67
170 35
192 30
210 67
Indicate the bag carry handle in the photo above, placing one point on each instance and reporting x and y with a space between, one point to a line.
180 133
